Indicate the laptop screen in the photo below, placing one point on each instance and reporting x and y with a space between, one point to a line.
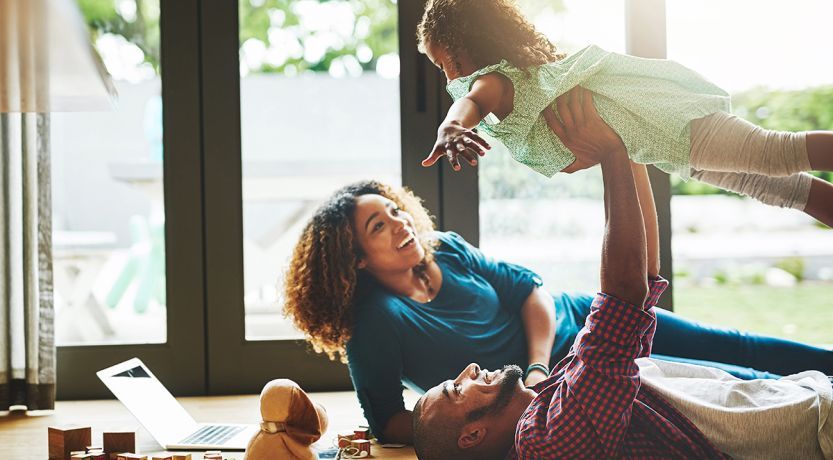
148 400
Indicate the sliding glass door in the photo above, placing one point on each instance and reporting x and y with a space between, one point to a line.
126 195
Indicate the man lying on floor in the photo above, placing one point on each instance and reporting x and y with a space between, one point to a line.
606 399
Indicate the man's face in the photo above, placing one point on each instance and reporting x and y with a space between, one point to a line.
489 404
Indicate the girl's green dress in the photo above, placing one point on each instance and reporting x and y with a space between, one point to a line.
648 102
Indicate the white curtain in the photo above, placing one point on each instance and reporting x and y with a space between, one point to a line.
27 340
47 64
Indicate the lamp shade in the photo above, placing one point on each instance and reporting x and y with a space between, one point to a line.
47 63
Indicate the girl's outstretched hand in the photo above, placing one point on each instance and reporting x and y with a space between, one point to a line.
582 130
454 140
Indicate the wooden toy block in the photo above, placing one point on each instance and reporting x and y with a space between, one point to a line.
361 433
361 445
118 442
131 456
182 457
90 456
63 441
163 457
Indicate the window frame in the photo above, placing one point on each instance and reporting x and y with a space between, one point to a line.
206 351
179 362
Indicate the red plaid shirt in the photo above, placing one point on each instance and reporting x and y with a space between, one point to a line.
592 405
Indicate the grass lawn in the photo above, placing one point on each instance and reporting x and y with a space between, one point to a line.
803 313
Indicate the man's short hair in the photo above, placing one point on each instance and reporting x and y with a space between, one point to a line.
436 440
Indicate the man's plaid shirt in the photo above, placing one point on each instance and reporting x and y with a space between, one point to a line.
592 405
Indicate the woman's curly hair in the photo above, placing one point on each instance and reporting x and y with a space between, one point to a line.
486 31
320 283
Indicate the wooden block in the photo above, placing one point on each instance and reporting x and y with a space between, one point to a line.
118 442
362 445
182 457
361 433
131 456
62 441
90 456
163 457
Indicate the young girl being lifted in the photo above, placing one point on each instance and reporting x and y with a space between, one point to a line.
505 76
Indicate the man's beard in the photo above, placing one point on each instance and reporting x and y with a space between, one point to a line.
509 377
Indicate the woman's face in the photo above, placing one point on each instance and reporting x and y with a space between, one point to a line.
386 235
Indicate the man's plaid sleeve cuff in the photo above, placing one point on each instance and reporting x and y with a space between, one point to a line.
656 286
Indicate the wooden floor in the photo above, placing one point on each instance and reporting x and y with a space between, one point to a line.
24 437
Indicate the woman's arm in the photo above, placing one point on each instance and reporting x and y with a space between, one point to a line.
649 216
400 428
538 315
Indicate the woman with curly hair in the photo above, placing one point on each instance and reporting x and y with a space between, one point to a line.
371 283
505 76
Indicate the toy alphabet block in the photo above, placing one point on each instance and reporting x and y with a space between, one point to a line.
63 441
131 456
118 442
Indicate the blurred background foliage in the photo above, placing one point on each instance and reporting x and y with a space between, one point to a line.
287 39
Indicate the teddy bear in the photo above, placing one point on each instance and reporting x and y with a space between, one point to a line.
291 423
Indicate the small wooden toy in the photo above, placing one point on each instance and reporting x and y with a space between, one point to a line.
90 456
344 438
131 456
182 457
118 442
63 441
362 445
165 456
361 433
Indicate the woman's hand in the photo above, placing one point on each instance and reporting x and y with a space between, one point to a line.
454 140
582 130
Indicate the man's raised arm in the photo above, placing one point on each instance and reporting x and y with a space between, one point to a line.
600 373
624 258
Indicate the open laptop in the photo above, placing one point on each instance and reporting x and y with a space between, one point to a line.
166 420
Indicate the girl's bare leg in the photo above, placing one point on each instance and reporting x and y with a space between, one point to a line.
820 150
820 202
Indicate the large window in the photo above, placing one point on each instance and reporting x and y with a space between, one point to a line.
109 213
553 226
319 102
738 262
270 105
128 216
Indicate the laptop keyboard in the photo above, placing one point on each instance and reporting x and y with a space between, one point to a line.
212 435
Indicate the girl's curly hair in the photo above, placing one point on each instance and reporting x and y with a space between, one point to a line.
320 283
486 31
